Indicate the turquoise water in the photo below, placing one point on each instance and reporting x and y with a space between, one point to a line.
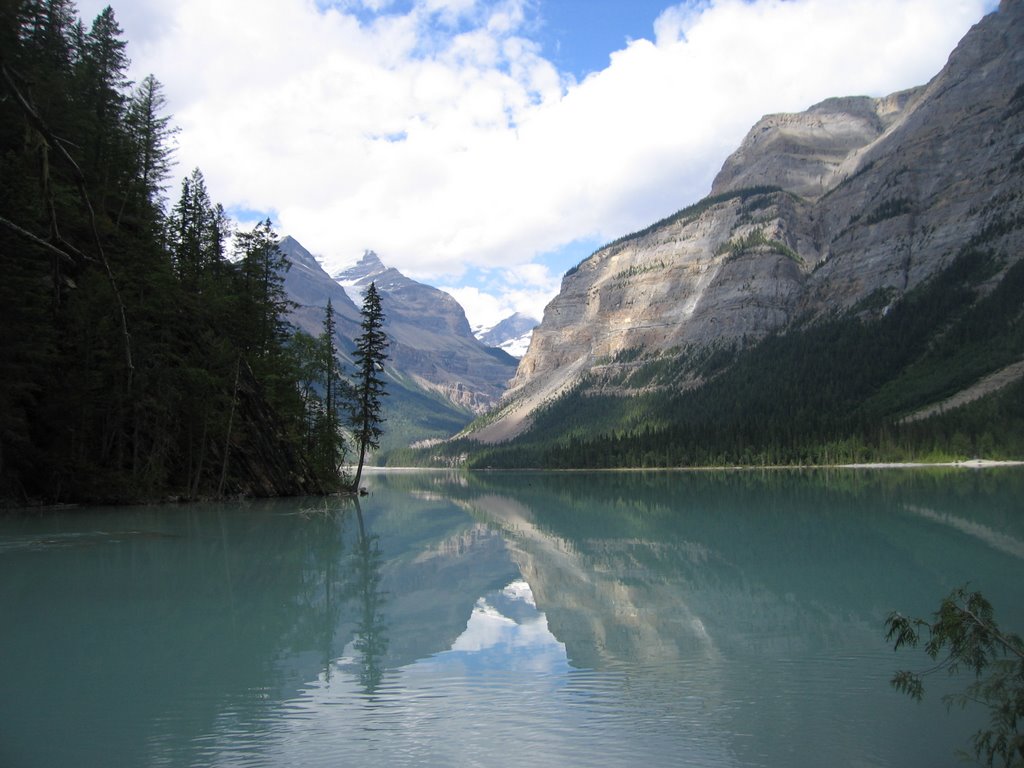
613 619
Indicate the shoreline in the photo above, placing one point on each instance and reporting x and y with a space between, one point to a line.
966 464
972 464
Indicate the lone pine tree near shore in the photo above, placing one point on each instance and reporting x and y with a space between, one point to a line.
370 354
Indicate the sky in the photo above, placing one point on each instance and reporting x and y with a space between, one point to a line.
486 146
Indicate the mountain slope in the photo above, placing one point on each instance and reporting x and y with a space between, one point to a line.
309 286
842 211
439 375
431 342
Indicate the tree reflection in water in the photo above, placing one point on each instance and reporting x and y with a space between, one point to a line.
371 632
339 577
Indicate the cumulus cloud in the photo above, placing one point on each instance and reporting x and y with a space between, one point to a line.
440 136
525 288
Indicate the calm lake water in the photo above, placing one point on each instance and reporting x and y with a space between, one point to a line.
614 619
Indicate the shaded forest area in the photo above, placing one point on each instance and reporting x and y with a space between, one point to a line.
143 347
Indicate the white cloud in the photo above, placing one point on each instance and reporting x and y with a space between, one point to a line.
441 138
525 288
489 628
483 310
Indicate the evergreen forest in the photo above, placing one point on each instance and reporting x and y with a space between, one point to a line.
144 351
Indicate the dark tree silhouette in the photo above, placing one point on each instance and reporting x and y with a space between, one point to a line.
370 354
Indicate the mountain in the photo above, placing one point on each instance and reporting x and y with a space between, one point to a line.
431 342
849 219
511 334
439 375
309 286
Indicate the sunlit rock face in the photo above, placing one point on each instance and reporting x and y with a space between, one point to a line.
806 153
854 199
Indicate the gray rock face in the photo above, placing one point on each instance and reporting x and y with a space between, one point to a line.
437 372
431 340
804 153
309 286
872 196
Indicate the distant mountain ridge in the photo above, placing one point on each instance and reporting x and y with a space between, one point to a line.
843 210
511 334
431 339
439 374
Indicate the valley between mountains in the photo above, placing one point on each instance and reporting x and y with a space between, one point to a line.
850 290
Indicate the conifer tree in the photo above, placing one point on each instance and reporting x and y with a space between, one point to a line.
149 132
328 442
102 82
263 268
196 231
135 359
370 354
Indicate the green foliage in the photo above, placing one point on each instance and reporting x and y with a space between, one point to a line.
137 360
985 335
964 635
753 242
196 233
369 356
264 304
637 269
415 415
149 135
325 395
685 215
693 211
889 209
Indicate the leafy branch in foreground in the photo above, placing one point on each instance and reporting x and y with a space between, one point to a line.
964 634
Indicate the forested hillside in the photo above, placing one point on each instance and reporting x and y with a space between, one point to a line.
852 289
829 392
142 353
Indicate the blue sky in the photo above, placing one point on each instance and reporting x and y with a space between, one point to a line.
485 146
579 35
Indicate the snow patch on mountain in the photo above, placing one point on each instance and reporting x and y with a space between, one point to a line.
512 334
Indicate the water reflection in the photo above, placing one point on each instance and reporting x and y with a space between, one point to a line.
371 640
605 619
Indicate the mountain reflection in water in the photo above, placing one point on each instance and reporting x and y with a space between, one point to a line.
553 619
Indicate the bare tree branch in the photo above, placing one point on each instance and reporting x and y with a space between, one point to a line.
38 240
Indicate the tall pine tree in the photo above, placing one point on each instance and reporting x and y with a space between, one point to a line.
149 134
370 354
102 81
328 445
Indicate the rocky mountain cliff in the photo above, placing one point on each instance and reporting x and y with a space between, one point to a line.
439 374
843 208
309 286
431 341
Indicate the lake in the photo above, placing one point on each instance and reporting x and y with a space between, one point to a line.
499 619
